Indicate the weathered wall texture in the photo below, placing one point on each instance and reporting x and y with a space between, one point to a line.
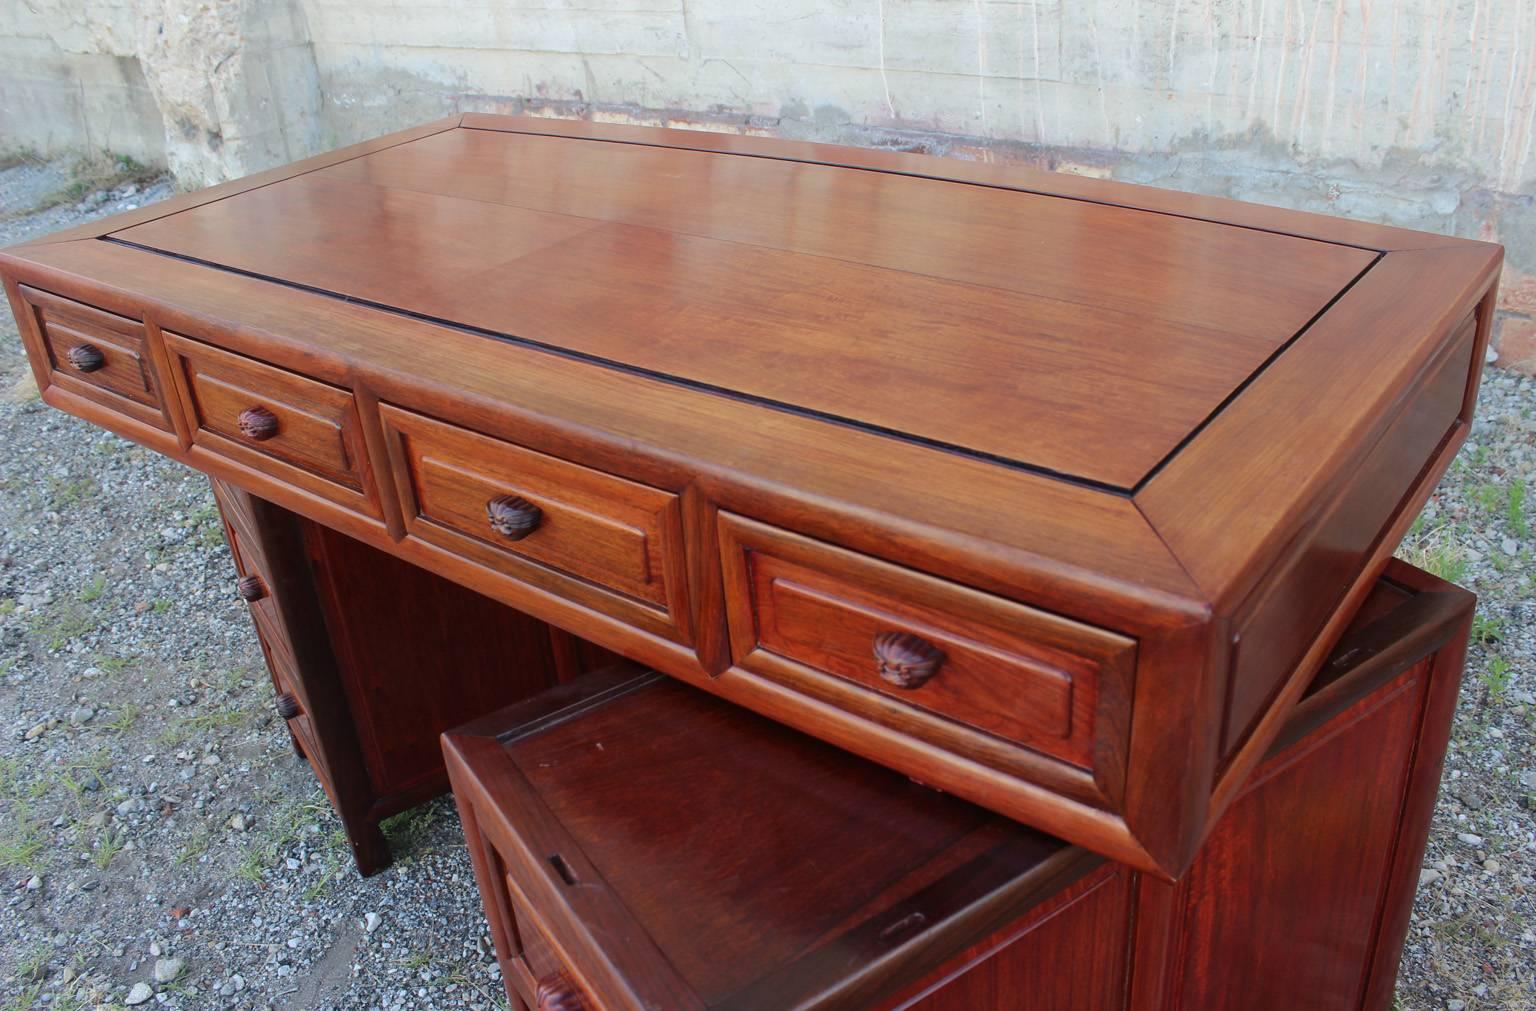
1416 112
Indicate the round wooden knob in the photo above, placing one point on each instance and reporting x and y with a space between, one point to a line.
557 993
257 423
251 589
512 517
287 705
906 660
86 357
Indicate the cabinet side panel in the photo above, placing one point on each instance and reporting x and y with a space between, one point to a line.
1067 955
1286 897
418 656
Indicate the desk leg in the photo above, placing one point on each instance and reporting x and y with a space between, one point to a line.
373 658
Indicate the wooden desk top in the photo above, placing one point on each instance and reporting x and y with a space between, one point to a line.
1060 336
1150 443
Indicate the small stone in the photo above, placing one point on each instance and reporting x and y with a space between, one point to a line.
1469 839
1491 866
1456 1005
292 864
140 994
129 806
155 949
1510 546
1428 876
211 759
34 883
296 942
167 969
82 716
37 730
371 922
238 823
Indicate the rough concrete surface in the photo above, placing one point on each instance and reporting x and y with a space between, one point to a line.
159 838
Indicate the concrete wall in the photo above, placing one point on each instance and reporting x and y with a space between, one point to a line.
1415 112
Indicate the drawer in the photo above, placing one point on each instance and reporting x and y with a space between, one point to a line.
537 973
290 426
610 542
100 356
863 634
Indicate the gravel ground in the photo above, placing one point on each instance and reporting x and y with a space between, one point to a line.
160 840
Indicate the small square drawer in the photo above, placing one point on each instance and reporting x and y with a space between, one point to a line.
542 519
863 633
280 422
99 356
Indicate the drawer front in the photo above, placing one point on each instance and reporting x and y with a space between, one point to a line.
502 504
539 975
276 421
824 619
100 356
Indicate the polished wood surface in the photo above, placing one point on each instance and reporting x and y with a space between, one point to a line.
1191 425
98 355
779 865
973 308
643 845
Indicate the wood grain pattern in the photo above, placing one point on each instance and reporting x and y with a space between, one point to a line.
1022 675
1071 250
1089 400
614 532
379 657
654 897
97 355
936 358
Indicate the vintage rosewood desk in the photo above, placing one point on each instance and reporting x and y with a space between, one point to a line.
1049 492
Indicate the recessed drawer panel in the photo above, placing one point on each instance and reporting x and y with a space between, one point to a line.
276 421
503 504
100 356
822 618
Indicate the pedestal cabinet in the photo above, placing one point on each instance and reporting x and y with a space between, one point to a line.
371 659
639 844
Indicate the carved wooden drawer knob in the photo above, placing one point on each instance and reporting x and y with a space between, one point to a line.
556 993
287 705
906 660
257 423
86 357
512 517
251 588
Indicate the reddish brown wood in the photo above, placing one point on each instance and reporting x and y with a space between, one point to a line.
97 355
642 894
373 658
617 534
557 993
1093 401
662 897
